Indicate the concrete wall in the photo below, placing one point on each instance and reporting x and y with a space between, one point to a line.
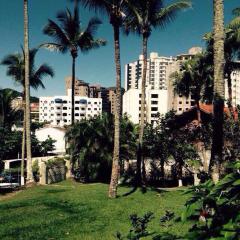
55 133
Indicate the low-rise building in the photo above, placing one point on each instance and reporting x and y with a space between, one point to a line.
57 133
57 110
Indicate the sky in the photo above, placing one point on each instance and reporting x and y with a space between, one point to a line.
97 66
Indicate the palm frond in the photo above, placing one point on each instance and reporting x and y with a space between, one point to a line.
93 25
169 13
236 12
52 29
101 6
43 71
54 47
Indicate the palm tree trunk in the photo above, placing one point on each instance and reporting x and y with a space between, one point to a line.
23 139
27 92
142 119
217 142
73 89
199 118
230 98
112 193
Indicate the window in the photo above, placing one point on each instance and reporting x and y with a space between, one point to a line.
82 114
180 109
64 114
154 95
180 102
76 108
154 108
64 108
154 102
77 114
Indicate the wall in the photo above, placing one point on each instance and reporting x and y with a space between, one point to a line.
56 134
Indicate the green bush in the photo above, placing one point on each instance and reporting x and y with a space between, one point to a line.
56 161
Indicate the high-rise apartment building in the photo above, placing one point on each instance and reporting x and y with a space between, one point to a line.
57 109
160 97
156 72
82 88
155 103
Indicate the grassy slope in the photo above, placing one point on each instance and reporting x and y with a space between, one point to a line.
75 211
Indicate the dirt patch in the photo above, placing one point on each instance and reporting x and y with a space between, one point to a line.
9 195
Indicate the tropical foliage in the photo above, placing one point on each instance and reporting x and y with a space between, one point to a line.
8 115
215 208
91 146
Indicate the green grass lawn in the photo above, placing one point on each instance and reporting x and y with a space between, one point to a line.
70 210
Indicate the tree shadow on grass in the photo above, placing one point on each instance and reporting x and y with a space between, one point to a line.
55 190
143 189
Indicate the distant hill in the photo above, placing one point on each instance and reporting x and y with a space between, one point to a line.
19 94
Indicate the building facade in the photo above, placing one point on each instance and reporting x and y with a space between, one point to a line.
108 95
235 88
160 97
57 110
155 104
156 72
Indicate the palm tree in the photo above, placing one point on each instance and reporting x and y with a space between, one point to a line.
8 115
195 79
231 52
217 142
16 69
142 17
27 94
69 36
115 11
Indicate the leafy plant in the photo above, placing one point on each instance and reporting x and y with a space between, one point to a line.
215 208
139 227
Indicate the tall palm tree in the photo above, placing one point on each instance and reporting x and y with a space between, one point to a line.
142 17
231 53
69 36
114 9
217 142
27 93
16 69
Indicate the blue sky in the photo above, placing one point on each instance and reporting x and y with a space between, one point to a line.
98 66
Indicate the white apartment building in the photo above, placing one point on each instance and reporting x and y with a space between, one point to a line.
57 110
160 97
155 103
156 87
235 88
156 72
